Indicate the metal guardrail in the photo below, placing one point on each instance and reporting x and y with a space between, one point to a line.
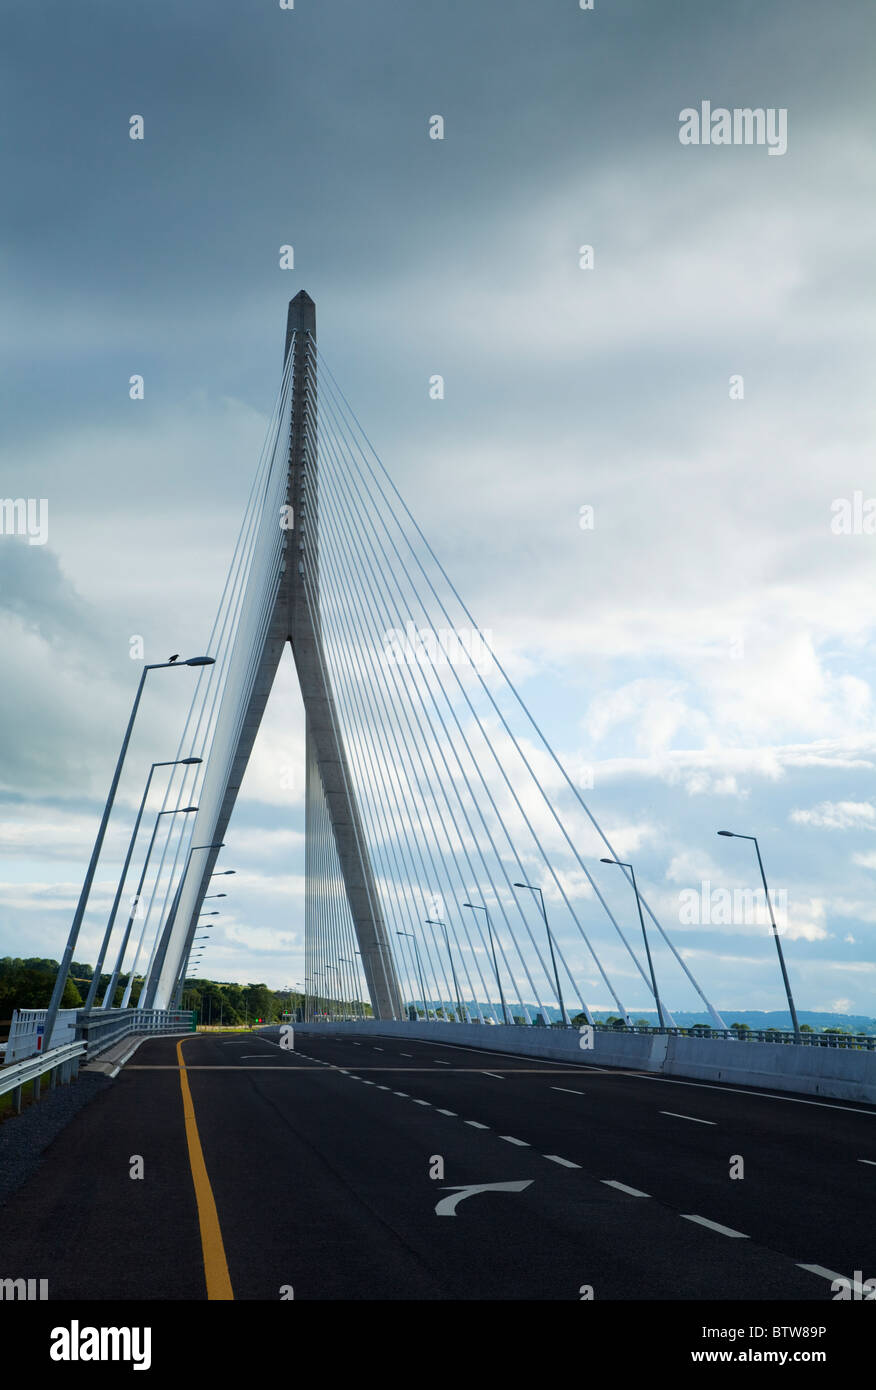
62 1064
98 1029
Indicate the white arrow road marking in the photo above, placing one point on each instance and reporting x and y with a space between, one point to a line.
447 1206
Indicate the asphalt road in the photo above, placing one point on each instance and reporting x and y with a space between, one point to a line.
323 1167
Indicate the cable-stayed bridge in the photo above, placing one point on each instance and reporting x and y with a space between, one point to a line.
449 856
452 863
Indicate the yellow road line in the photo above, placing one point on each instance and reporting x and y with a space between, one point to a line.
215 1264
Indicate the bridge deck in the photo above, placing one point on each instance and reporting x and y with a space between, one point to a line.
321 1181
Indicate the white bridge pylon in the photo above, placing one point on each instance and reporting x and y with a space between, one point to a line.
450 859
275 587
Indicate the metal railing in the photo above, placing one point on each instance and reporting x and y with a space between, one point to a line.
62 1064
859 1041
100 1028
96 1029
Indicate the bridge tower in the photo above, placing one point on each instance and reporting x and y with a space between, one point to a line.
296 620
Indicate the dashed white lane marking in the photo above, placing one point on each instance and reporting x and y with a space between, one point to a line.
714 1226
476 1124
401 1093
447 1112
567 1092
692 1118
871 1161
378 1049
833 1276
366 1082
421 1102
509 1139
622 1187
406 1054
439 1063
494 1073
566 1163
355 1044
383 1088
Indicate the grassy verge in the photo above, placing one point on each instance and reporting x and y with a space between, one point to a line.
7 1107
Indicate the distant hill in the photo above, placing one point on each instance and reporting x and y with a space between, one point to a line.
780 1018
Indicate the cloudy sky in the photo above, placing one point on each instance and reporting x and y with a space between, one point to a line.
702 653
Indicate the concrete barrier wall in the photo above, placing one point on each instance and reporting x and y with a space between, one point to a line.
835 1073
832 1072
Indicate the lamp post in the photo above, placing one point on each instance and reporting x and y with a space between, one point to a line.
155 972
355 984
419 969
184 965
173 762
534 889
732 835
434 922
64 967
475 907
335 971
107 1002
316 976
622 865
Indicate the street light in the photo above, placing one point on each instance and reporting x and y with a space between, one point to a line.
214 895
434 922
354 978
64 967
537 890
337 972
732 835
173 762
217 873
419 969
475 907
107 1002
158 963
621 865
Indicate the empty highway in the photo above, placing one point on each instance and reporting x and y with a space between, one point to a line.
339 1170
